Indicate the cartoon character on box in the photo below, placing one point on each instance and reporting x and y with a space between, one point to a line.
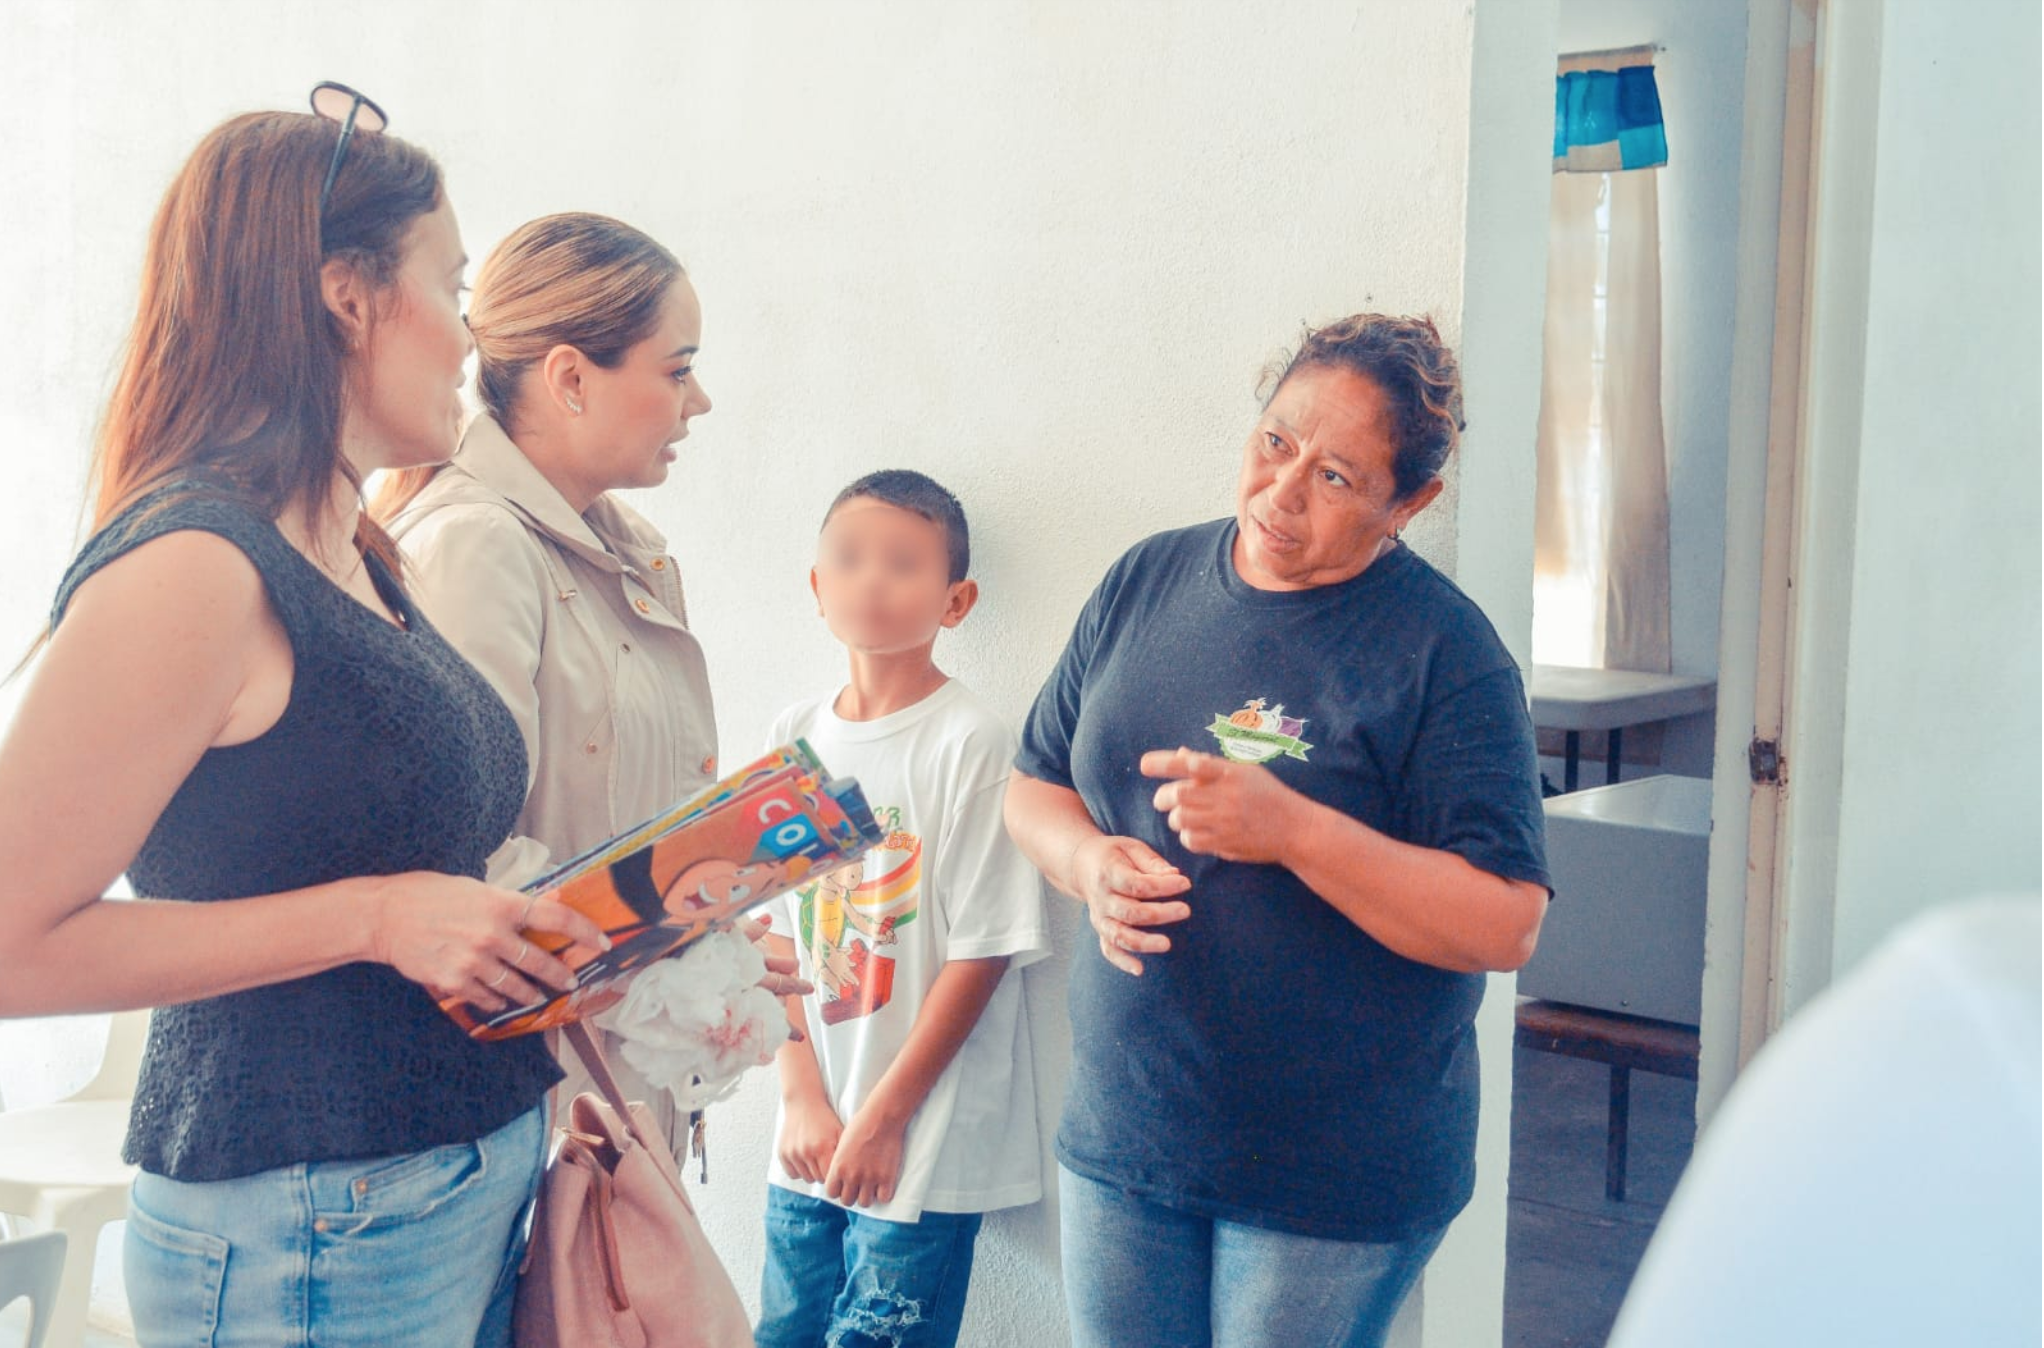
689 903
682 905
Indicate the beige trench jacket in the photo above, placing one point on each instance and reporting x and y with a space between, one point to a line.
578 622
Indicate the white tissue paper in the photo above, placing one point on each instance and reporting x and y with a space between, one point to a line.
694 1023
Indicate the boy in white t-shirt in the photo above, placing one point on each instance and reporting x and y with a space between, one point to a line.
910 1108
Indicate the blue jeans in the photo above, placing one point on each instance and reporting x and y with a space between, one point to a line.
1141 1275
420 1249
839 1279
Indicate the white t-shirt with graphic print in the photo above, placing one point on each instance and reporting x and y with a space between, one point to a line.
947 884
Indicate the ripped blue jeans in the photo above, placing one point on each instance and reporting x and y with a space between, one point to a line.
839 1279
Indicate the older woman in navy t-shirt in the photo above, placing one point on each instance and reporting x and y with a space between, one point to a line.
1287 766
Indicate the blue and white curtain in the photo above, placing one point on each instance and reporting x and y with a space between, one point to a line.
1607 120
1601 567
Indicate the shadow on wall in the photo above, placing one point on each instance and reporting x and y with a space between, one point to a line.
1018 1249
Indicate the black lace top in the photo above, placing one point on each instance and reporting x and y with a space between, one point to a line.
392 755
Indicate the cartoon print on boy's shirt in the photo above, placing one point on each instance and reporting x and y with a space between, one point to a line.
848 918
1256 735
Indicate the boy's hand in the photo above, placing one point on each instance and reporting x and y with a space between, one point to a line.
868 1162
810 1131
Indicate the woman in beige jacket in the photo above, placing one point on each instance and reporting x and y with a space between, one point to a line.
568 603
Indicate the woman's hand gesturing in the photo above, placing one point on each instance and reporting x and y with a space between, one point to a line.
458 937
1128 889
1234 811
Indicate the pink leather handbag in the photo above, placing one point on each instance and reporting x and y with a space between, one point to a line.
618 1258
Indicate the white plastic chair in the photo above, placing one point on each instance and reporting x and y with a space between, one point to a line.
30 1267
61 1167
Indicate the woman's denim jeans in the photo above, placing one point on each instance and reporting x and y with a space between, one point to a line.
839 1279
1140 1275
420 1249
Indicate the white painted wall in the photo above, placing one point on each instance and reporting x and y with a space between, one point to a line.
1941 739
1701 76
1039 248
1511 139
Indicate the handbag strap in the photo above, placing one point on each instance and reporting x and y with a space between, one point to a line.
586 1048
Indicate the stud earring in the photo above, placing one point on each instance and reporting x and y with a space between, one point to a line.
574 406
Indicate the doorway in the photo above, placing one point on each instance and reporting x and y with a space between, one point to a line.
1731 228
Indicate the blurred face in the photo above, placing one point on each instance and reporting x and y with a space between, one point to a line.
406 406
1314 502
883 578
635 415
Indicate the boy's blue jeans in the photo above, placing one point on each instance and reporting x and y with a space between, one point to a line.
839 1279
1141 1275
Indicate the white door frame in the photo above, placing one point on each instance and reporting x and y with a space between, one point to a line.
1798 382
1760 464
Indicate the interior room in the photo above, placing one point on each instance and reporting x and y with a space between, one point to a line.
1749 487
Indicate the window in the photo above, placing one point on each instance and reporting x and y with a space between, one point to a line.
1600 595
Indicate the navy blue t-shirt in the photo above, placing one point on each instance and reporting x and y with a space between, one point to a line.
1277 1066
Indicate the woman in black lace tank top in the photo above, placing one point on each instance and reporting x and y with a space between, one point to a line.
239 706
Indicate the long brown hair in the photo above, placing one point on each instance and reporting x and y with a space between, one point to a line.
235 365
573 279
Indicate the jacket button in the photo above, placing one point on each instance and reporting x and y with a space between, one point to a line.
626 647
659 563
642 606
589 748
710 766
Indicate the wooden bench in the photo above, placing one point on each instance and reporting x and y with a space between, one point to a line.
1621 1042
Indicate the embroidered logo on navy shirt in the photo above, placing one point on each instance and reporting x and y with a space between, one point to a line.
1256 735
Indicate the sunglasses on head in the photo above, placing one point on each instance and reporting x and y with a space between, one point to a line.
355 112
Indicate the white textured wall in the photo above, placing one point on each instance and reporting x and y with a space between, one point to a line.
1038 249
1942 739
1511 135
1056 302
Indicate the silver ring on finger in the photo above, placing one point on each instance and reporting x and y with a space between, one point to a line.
526 915
498 981
524 949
